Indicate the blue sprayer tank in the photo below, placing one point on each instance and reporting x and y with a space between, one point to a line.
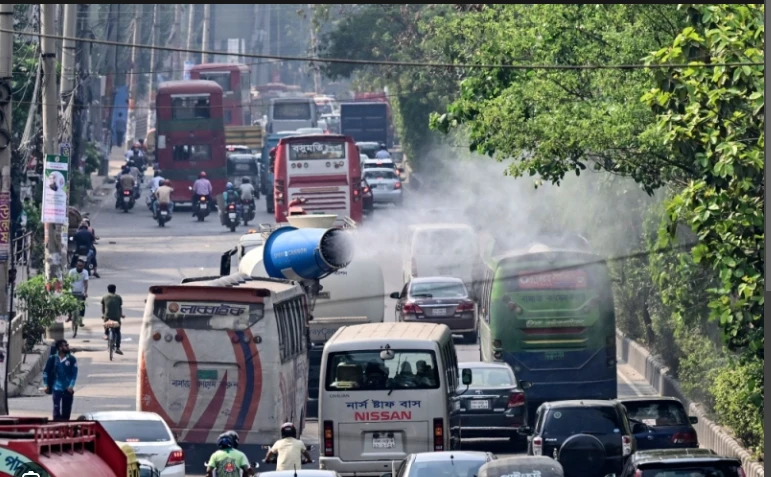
303 254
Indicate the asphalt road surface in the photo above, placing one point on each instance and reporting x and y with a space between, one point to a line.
134 253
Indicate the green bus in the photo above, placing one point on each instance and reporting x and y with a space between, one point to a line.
548 313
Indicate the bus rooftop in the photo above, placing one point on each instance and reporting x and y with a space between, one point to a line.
377 332
189 87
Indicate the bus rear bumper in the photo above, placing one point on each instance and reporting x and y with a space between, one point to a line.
359 468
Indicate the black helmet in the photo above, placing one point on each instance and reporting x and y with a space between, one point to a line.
382 146
288 430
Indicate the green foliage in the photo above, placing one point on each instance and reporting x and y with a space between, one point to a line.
42 306
36 228
738 403
699 366
713 119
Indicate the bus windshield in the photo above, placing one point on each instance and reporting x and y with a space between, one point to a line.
291 111
366 371
208 315
222 78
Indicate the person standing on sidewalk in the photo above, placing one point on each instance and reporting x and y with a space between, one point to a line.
112 310
59 377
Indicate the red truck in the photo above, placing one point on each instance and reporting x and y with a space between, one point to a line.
34 447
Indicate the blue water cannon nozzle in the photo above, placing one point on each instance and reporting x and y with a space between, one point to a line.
304 254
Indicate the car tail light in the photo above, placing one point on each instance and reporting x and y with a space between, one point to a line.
688 437
626 445
398 185
412 308
329 439
176 457
465 307
126 192
438 434
203 199
639 473
537 446
414 268
366 190
516 399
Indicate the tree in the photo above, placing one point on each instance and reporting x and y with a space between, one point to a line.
42 306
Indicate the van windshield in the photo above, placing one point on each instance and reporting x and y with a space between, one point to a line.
366 371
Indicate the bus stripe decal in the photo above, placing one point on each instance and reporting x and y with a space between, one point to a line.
193 396
246 403
149 401
254 359
205 423
242 378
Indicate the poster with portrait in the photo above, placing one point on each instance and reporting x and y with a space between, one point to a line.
55 191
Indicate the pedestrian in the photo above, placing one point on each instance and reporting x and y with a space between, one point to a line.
59 377
120 130
112 310
79 289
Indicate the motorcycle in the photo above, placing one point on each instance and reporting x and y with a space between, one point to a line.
84 255
231 217
248 211
126 201
163 215
201 208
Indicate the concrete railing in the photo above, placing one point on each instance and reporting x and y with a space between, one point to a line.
15 345
710 434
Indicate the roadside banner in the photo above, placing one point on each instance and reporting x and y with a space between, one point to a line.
55 189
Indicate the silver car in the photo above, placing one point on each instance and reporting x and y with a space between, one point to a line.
386 186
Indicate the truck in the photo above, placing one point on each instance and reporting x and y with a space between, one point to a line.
32 446
366 122
249 136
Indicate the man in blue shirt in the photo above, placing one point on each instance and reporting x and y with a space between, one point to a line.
383 152
59 376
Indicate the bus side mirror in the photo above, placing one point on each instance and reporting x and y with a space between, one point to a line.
465 376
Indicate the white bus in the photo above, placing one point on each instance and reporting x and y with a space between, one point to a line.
225 354
387 390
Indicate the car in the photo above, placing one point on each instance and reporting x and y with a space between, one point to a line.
682 463
367 198
368 148
378 164
444 463
667 424
300 473
588 437
443 300
147 469
494 405
238 149
386 186
148 434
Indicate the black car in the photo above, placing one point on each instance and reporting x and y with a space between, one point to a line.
589 438
445 464
681 463
367 198
494 405
667 425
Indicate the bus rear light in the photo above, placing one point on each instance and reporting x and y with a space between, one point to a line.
178 338
156 336
537 446
516 399
497 343
293 165
438 434
329 164
498 355
329 439
167 337
177 457
234 339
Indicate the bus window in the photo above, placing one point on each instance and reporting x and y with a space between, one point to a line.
365 370
222 78
283 334
190 106
197 152
209 316
292 111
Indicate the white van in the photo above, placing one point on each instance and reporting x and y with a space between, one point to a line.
441 250
387 390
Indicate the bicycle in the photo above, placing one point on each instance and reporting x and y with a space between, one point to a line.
110 324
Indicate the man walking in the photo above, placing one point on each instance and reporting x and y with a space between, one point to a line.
112 310
59 377
79 288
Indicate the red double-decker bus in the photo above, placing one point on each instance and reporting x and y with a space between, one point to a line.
235 80
323 169
190 135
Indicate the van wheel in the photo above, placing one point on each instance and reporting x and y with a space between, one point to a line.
471 338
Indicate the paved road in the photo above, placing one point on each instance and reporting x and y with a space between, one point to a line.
135 253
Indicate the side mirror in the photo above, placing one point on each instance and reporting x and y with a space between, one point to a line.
465 376
693 419
525 384
396 295
524 431
225 263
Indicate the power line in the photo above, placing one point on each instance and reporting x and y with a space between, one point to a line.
308 59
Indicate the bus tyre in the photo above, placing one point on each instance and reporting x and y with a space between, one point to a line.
471 338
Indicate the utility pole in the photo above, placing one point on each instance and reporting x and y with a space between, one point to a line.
134 77
68 68
315 50
153 61
190 34
109 94
6 74
176 71
265 68
53 231
206 27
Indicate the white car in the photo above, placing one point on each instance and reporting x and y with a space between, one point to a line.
148 434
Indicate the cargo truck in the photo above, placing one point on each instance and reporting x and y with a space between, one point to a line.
366 122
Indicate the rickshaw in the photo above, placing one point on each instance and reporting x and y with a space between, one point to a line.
522 466
242 165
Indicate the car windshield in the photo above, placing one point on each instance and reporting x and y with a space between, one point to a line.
438 290
581 420
458 467
694 470
137 431
365 370
657 414
380 175
490 378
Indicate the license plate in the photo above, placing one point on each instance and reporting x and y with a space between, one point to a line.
383 443
439 312
232 215
479 404
163 212
126 198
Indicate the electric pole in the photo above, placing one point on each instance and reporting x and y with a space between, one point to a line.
153 61
206 27
109 94
176 71
190 34
315 50
265 68
134 77
68 69
6 74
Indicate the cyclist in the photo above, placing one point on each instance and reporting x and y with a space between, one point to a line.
290 450
79 286
228 461
112 309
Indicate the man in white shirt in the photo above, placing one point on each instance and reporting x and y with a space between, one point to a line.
289 450
79 287
246 191
383 153
156 182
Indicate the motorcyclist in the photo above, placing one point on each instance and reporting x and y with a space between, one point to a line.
228 461
289 450
163 196
87 221
137 175
246 190
202 187
230 196
84 240
136 154
383 152
125 181
156 182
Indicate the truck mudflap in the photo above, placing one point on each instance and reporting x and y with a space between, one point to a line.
29 447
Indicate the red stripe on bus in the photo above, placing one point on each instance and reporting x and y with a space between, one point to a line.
149 402
205 423
255 404
241 362
193 396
